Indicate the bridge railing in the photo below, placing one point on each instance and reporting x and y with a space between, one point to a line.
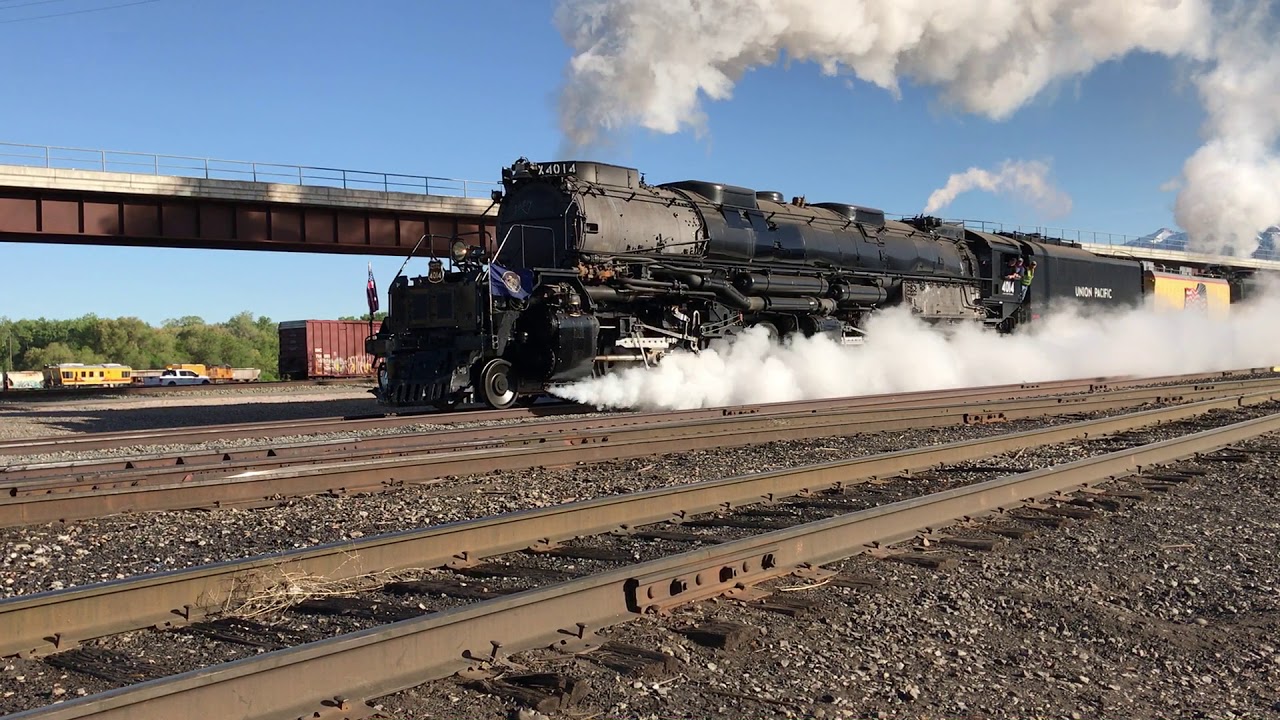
53 156
1067 234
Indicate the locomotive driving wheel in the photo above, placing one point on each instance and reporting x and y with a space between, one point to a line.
496 384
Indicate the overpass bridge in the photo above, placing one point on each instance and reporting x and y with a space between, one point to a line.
102 197
97 197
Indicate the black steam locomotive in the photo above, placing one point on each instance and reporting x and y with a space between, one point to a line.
592 268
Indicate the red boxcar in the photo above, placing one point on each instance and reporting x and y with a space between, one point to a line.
324 349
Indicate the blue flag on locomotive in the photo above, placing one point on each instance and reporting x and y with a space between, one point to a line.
510 283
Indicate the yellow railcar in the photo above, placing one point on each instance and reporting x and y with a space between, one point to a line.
1173 292
69 375
216 373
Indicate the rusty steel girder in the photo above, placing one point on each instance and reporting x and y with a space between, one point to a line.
94 218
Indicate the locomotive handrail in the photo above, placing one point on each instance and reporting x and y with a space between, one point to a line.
73 158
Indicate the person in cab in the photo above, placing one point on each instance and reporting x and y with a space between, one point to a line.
1027 276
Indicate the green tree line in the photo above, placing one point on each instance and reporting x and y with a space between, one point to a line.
241 341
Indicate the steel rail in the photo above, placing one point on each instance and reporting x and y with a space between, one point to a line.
267 429
254 486
281 455
58 620
318 678
90 393
247 483
469 436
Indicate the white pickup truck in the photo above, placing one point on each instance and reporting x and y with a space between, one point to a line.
176 377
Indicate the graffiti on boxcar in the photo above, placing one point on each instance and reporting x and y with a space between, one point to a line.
350 365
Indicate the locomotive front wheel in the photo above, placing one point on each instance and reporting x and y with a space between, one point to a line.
496 386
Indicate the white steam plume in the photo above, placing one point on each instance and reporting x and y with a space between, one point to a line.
1231 185
903 355
646 61
1026 180
649 62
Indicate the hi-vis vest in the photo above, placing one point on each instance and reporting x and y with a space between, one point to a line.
1026 279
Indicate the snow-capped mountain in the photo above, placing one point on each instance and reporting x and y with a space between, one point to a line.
1167 239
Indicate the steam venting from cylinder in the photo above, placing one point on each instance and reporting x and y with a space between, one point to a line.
651 63
904 354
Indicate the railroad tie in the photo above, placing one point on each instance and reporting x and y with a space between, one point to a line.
105 664
632 661
245 632
727 636
544 692
453 589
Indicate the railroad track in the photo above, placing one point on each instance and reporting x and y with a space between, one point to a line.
272 429
764 528
472 437
105 393
360 423
382 463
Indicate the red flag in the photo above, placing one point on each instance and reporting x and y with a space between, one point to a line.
373 293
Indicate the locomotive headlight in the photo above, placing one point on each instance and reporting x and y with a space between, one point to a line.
459 251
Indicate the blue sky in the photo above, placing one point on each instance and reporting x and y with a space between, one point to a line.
460 89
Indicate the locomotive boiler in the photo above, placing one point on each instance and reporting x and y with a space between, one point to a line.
592 268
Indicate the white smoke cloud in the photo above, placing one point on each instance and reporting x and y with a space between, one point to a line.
1027 181
904 354
650 62
646 61
1231 185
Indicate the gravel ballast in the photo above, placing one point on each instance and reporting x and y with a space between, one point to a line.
1044 627
1168 607
56 555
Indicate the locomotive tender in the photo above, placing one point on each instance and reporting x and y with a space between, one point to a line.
592 268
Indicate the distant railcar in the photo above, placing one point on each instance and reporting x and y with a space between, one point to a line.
325 349
245 374
17 380
74 375
1189 293
217 374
